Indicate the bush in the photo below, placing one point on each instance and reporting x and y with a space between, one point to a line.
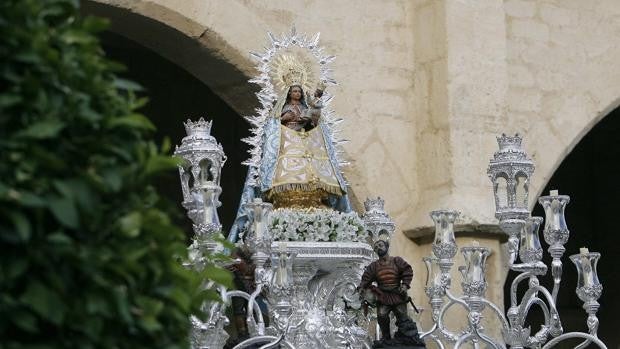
86 248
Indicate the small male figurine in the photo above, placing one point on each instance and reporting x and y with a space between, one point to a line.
392 276
243 272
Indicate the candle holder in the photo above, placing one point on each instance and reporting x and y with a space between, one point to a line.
510 171
258 237
474 283
512 168
199 172
530 250
444 245
435 285
589 289
556 233
282 287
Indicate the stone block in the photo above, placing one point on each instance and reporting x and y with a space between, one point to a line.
520 9
555 16
529 29
524 100
430 32
520 76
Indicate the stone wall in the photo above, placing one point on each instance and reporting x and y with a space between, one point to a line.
562 57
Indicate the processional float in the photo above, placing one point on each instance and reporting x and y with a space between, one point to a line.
308 249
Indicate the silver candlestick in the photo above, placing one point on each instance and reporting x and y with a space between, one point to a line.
199 172
510 171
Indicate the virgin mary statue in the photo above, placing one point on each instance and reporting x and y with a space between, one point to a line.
298 167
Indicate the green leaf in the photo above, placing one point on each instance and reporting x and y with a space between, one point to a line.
131 224
219 275
24 320
44 301
31 200
93 328
83 194
210 295
138 253
112 177
4 190
122 304
21 224
225 242
165 145
97 305
89 114
95 24
150 305
54 10
127 85
16 267
63 188
181 298
59 238
123 153
160 163
150 324
64 211
76 37
138 121
30 57
7 100
48 128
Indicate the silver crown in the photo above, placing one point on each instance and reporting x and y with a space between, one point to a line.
378 223
509 149
374 205
509 142
199 129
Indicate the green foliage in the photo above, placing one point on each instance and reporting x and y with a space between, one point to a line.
88 256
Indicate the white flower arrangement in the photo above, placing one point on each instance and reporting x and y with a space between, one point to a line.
316 225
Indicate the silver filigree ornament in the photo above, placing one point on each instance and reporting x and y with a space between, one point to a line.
379 225
510 172
444 245
200 172
267 95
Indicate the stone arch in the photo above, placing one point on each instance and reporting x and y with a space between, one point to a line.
174 96
559 81
564 150
198 49
588 174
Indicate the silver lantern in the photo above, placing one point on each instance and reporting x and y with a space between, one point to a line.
510 171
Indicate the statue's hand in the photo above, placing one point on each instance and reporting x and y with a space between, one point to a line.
403 289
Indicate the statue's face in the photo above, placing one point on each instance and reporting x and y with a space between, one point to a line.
296 93
381 248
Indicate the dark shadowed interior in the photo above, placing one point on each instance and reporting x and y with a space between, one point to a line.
174 96
589 175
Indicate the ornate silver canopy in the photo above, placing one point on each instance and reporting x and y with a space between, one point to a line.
378 223
200 175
